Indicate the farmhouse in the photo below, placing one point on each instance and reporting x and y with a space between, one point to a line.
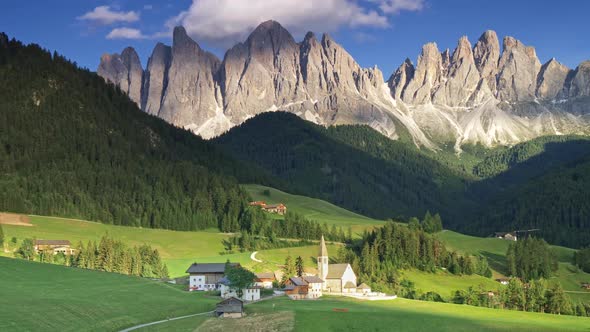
503 281
279 208
338 278
230 308
206 276
57 246
586 285
265 280
507 236
248 294
306 287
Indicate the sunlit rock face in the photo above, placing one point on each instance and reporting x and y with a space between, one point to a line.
475 94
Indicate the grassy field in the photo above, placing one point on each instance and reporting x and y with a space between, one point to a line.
340 314
314 209
45 297
178 249
495 250
445 283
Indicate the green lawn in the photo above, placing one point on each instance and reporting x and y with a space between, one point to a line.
178 249
45 297
396 315
315 209
495 250
445 283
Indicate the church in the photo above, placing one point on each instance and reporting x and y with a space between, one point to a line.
338 278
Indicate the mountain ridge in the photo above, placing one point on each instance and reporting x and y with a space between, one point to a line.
478 94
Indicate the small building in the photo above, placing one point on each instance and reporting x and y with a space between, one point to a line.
307 287
57 246
363 289
248 294
206 276
276 208
503 281
506 236
265 280
230 308
258 203
586 285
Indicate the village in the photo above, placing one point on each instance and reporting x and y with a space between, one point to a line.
332 279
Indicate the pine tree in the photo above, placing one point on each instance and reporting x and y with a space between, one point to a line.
299 266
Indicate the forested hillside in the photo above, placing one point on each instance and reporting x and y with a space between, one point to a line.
538 184
73 146
351 166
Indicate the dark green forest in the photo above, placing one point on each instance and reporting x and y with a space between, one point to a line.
538 184
73 146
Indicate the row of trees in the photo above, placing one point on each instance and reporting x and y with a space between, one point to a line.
379 255
531 258
107 255
534 296
430 224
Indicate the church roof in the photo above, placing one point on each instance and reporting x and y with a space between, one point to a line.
336 271
363 286
323 249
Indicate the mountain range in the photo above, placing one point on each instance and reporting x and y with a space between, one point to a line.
476 94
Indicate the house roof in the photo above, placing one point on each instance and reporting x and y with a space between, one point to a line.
323 249
228 305
52 242
230 300
363 286
274 206
208 267
336 271
313 279
349 284
298 281
267 275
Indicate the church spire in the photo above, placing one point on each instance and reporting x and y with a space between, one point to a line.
323 249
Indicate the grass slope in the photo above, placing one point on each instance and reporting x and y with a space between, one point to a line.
178 249
45 297
495 250
314 209
399 315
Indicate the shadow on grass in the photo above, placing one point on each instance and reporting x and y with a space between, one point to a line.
496 262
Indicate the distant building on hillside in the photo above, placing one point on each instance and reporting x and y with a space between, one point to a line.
586 285
230 308
279 208
56 246
503 281
511 236
206 276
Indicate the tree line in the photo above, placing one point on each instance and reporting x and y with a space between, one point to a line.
109 255
531 258
582 259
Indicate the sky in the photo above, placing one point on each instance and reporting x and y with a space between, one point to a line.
375 32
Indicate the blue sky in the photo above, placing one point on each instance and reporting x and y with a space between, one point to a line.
375 32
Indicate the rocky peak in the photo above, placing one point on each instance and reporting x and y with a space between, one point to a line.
486 54
551 79
156 78
399 80
270 35
125 71
517 71
427 76
579 84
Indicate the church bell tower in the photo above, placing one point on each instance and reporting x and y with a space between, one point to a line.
323 260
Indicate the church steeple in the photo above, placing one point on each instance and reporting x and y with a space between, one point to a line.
323 260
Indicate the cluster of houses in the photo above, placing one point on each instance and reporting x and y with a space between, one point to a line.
510 236
331 278
279 208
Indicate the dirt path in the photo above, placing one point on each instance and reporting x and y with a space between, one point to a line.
253 257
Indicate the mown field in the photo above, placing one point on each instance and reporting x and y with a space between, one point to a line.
341 314
314 209
45 297
178 249
494 249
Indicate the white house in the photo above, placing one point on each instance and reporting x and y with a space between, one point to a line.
206 276
248 294
338 278
265 280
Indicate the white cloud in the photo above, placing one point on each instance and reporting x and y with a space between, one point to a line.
104 15
224 22
126 33
396 6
